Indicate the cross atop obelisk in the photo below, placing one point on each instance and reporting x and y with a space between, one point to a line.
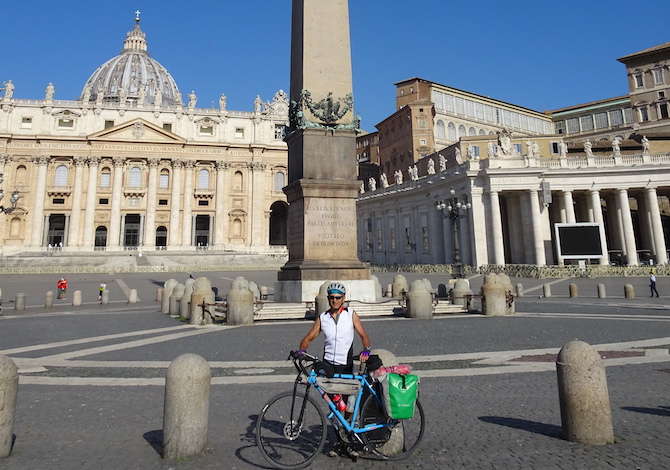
323 187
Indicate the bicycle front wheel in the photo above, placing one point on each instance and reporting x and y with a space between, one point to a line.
291 430
396 441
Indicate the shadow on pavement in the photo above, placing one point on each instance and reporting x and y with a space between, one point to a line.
660 411
155 440
549 430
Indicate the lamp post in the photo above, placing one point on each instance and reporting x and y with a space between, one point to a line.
454 209
14 199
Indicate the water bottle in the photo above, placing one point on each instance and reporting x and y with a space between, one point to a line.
339 403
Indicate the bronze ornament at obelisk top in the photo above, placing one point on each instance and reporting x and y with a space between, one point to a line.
322 182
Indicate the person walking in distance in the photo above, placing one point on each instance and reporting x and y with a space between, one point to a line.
101 289
652 284
62 288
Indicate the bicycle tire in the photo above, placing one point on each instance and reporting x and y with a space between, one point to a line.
394 442
288 448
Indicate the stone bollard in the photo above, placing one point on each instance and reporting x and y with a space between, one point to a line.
9 386
49 299
185 302
20 301
519 289
105 297
175 299
202 292
460 292
399 285
186 407
419 301
132 296
76 298
546 290
394 443
240 303
321 300
378 287
584 399
494 296
168 286
574 292
601 291
629 291
264 292
255 290
159 295
389 290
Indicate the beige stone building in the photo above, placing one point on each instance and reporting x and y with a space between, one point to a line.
500 180
133 165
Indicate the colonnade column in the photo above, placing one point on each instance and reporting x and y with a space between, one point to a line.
627 225
220 219
496 230
536 220
257 218
186 235
660 248
175 241
150 222
114 239
91 193
569 204
38 208
597 211
75 214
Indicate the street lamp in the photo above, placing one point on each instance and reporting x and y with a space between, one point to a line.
454 209
14 199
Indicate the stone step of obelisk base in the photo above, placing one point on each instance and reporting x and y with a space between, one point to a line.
385 308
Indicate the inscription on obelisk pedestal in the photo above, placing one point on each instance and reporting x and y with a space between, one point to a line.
322 189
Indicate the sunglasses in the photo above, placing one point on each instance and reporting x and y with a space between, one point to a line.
334 297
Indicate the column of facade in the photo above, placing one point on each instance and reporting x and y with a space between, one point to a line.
77 195
114 239
150 223
656 229
220 219
627 225
4 159
38 208
257 217
597 217
569 205
497 230
91 193
186 235
174 240
536 221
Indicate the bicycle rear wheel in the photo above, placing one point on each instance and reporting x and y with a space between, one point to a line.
283 440
394 442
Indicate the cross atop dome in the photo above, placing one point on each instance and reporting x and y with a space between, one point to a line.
137 15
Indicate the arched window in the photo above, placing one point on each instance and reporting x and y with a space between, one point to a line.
203 179
61 176
451 131
472 132
135 177
280 181
441 132
105 177
164 179
482 132
461 131
238 181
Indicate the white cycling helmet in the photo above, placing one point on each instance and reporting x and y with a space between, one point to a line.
337 288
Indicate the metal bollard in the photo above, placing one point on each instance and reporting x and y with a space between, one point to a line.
186 409
9 386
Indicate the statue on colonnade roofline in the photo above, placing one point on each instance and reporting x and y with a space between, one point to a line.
563 149
588 148
397 176
49 92
645 144
384 180
431 167
372 183
616 147
505 141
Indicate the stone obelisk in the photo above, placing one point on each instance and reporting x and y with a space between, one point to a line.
322 184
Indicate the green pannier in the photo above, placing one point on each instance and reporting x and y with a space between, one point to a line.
400 394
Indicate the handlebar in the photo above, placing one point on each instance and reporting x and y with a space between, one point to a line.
299 359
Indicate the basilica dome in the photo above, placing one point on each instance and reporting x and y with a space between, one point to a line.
132 76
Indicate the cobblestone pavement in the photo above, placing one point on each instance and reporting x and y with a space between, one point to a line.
92 383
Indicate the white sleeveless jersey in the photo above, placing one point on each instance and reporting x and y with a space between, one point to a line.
339 337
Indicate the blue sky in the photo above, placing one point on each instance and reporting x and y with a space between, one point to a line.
539 54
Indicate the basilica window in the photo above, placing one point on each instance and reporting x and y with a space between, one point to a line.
61 176
203 179
164 179
26 123
451 131
238 181
461 131
105 178
280 131
135 177
280 181
441 132
239 132
206 130
472 132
